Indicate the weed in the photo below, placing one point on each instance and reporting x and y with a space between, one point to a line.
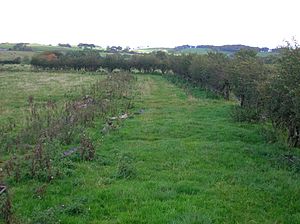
126 168
87 149
6 207
77 207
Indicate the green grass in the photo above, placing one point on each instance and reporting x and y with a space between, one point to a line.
189 163
149 50
11 55
40 47
6 45
27 55
196 51
16 87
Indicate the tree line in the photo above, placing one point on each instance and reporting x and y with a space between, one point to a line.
267 89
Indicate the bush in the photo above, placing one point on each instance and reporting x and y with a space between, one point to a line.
240 114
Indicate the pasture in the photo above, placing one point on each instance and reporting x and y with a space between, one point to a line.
17 87
180 159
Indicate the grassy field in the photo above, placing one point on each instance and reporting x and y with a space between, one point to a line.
27 55
197 51
16 87
40 47
182 160
11 55
149 50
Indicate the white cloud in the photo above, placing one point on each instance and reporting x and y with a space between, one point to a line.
153 23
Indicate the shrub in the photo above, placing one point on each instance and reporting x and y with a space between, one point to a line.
241 114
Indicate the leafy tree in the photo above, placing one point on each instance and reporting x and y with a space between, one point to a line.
247 73
64 45
181 65
283 101
210 71
163 61
198 70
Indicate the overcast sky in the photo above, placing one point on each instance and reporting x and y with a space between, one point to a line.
153 23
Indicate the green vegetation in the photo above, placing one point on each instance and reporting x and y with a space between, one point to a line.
37 47
55 134
25 52
83 140
11 55
180 159
16 87
245 74
151 50
197 51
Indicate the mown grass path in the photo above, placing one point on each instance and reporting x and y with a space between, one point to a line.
193 165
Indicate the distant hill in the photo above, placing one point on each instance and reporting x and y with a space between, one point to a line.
228 49
204 49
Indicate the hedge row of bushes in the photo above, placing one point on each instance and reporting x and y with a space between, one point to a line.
267 89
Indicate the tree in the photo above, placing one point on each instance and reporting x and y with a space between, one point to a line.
210 71
217 70
247 72
283 101
163 61
83 45
64 45
181 65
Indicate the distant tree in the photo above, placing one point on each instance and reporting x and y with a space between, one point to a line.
64 45
114 49
264 49
21 47
83 45
126 49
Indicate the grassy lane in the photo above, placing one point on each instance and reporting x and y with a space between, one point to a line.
187 162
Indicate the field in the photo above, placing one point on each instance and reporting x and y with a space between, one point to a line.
149 50
16 87
180 160
11 55
40 47
27 55
200 51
